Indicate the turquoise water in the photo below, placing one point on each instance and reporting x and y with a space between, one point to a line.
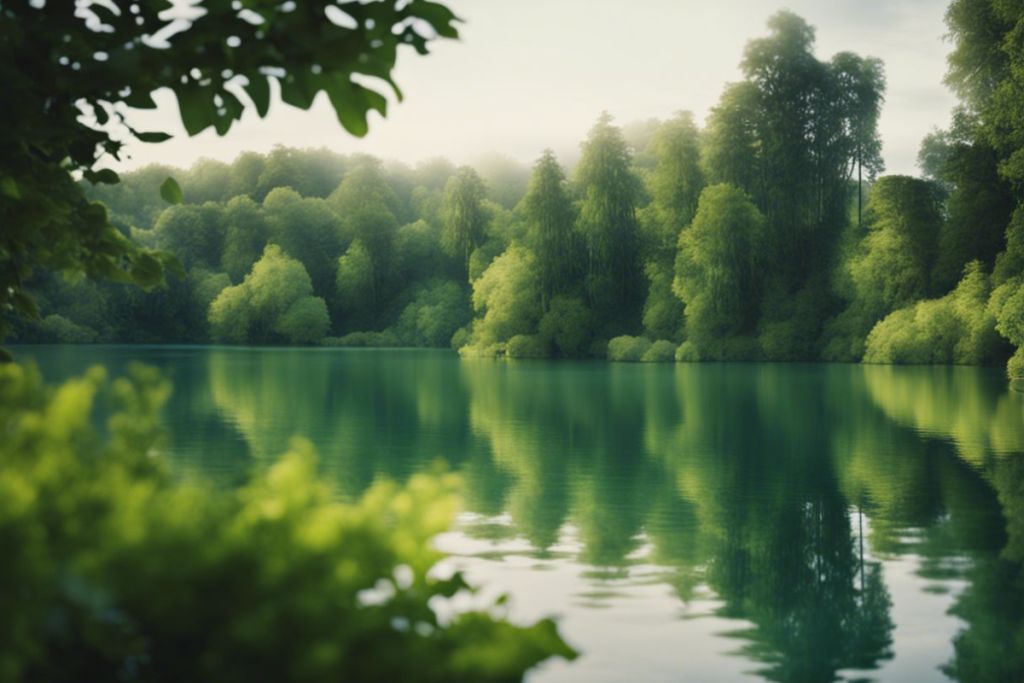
683 522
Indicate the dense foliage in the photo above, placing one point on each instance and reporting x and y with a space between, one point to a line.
765 235
112 571
70 70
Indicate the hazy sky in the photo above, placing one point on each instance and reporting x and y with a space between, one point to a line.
530 74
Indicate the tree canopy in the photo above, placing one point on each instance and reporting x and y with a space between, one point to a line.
71 71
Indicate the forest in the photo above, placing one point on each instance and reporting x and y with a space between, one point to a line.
815 513
769 234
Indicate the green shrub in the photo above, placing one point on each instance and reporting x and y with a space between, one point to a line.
274 304
461 337
482 350
628 349
438 309
567 324
661 351
958 328
1015 366
527 346
506 298
376 340
687 353
113 570
57 328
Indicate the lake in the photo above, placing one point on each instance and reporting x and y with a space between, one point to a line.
710 522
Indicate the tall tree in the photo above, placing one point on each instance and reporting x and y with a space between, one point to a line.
859 86
549 215
676 181
719 268
607 223
464 214
366 206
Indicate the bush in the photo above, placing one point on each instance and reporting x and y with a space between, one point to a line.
1015 366
57 328
567 324
628 349
274 304
506 298
376 340
114 571
482 350
438 309
958 328
661 351
687 353
526 346
305 322
461 337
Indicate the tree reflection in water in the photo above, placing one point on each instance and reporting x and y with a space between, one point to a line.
780 490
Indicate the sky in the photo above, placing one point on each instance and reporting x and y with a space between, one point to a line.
531 74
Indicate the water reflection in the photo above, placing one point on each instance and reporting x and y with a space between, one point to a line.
795 507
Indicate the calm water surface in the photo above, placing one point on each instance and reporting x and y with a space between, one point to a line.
693 522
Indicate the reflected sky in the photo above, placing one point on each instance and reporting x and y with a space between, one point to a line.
706 522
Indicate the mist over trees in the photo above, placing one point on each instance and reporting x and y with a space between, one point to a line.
766 234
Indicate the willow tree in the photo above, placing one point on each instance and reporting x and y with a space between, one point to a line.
464 214
549 215
608 225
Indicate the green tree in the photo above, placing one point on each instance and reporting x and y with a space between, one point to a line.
675 182
307 229
195 234
274 304
890 266
438 308
246 235
549 216
366 206
901 245
719 269
792 135
507 299
608 225
355 283
568 325
66 70
206 181
463 214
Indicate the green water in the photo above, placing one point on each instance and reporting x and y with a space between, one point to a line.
691 522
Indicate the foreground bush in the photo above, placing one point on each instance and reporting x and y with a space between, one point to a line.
112 571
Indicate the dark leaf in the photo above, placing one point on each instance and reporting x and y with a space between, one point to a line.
153 136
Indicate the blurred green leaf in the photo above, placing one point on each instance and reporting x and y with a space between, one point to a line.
171 191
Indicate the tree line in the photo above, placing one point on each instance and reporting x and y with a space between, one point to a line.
767 234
